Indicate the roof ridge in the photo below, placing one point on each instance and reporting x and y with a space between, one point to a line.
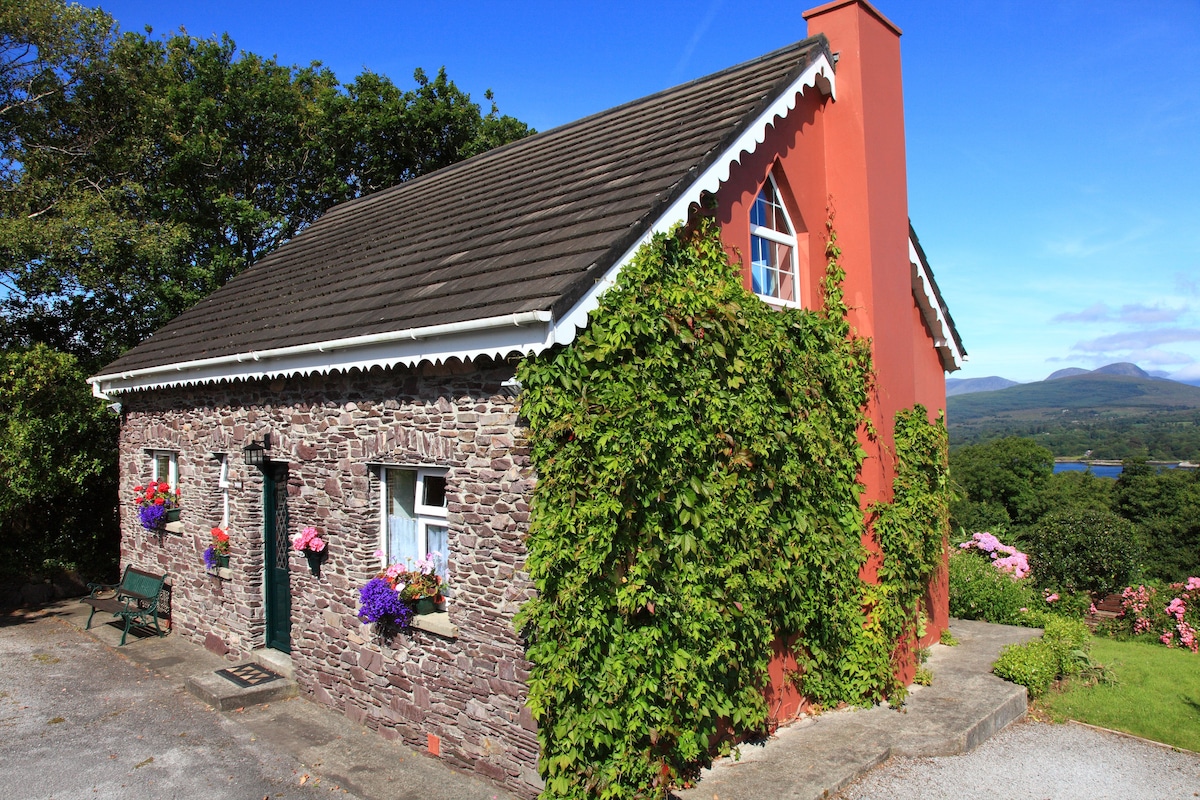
496 152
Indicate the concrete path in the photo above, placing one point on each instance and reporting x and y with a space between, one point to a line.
817 756
81 717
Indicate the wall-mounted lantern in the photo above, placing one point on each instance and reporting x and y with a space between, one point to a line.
256 453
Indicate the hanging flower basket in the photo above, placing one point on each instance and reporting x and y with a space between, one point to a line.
310 543
157 505
217 554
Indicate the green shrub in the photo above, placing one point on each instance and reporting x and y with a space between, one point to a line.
1061 652
1033 665
1082 550
980 591
1069 640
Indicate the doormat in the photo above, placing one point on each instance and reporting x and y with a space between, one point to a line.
248 675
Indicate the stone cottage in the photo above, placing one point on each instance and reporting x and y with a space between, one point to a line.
372 358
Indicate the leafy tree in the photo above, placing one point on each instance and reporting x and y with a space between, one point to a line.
58 465
144 173
137 175
1165 507
1076 489
1082 550
1010 473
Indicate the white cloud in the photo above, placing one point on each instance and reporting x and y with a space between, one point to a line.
1137 340
1094 313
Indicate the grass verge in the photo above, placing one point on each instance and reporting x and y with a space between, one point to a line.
1156 694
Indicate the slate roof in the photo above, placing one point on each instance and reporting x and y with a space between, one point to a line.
530 226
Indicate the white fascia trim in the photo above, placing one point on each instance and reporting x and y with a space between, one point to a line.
819 74
491 336
931 310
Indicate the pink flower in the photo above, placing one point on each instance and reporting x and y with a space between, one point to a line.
1177 609
1050 598
1193 584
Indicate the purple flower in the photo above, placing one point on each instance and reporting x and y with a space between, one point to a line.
153 517
382 603
210 558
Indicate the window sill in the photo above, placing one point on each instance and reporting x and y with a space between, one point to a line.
437 623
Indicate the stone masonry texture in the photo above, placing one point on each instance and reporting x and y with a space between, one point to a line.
333 432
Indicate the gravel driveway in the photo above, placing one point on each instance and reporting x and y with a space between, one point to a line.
1040 761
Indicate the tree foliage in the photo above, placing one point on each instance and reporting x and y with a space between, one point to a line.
1007 474
58 465
138 174
1082 550
141 173
1165 507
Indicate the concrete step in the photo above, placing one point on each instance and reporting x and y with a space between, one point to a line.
225 695
277 661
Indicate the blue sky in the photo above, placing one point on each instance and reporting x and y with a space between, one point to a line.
1053 147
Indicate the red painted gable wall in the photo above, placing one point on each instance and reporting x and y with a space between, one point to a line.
848 155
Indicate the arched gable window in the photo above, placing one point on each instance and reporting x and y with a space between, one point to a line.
774 271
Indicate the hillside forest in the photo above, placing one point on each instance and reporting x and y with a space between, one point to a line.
1007 487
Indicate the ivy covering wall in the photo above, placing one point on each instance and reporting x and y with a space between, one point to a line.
697 497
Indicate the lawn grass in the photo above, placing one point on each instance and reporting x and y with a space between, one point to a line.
1156 694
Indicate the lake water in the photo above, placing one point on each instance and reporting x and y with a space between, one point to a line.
1079 466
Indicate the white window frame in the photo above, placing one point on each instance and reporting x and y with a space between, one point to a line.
172 477
772 235
426 515
223 486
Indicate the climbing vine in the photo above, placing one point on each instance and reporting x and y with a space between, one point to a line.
911 531
697 497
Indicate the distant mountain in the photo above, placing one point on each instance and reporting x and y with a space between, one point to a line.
1069 372
956 386
1122 368
1082 395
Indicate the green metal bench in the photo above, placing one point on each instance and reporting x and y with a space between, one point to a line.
135 599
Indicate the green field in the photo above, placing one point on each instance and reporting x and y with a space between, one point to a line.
1156 694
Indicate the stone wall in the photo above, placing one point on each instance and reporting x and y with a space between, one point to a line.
461 698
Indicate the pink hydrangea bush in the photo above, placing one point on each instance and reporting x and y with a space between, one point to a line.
1175 621
1005 558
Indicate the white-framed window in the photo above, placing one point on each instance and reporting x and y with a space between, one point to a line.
413 515
165 467
774 268
223 486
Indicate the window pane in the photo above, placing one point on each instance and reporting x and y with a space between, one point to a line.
402 540
762 273
785 288
435 491
437 542
162 467
758 211
401 519
401 493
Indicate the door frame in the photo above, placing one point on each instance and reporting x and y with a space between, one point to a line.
277 583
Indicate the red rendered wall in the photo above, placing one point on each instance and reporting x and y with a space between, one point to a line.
848 155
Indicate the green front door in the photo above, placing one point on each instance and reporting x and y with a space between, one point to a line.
275 557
